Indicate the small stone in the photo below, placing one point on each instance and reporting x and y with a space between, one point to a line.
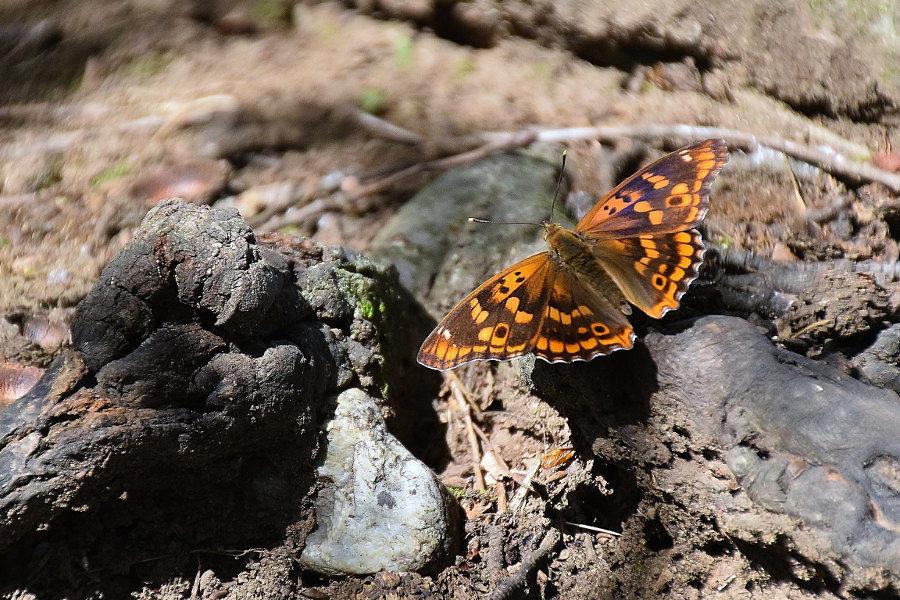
381 509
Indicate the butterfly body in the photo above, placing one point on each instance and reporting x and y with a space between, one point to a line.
568 245
637 245
576 253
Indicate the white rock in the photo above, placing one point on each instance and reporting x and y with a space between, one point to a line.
381 508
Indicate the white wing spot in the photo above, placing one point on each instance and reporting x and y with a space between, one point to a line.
686 157
446 334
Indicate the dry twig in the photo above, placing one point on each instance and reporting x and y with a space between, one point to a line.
824 157
507 587
456 388
518 500
387 130
606 532
519 139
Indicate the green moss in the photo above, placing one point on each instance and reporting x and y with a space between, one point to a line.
485 496
372 101
272 11
457 492
724 240
116 171
404 53
366 308
145 66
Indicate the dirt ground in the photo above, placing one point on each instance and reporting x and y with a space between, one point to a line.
108 107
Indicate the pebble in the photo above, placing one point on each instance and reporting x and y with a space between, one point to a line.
381 508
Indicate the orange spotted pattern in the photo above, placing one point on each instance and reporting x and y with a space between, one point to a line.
641 237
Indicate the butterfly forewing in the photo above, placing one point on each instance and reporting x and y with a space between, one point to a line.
499 320
669 195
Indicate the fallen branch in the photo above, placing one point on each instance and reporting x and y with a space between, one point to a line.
824 157
515 140
507 587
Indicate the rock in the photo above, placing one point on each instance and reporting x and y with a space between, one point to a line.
813 452
438 253
877 364
380 508
186 413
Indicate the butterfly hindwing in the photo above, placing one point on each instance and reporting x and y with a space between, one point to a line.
652 270
578 323
499 320
669 195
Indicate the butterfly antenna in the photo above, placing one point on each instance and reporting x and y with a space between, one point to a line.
562 172
477 220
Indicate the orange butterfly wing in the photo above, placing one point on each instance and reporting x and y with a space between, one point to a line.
578 322
537 306
642 231
669 195
653 271
496 321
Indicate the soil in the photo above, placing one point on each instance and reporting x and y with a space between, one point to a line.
108 107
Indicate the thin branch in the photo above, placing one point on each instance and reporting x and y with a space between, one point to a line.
515 140
727 582
608 532
456 389
824 157
500 490
507 587
387 130
311 211
518 500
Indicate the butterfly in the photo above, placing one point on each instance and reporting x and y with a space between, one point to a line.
637 246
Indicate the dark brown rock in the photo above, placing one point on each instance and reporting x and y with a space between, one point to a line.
813 452
186 414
